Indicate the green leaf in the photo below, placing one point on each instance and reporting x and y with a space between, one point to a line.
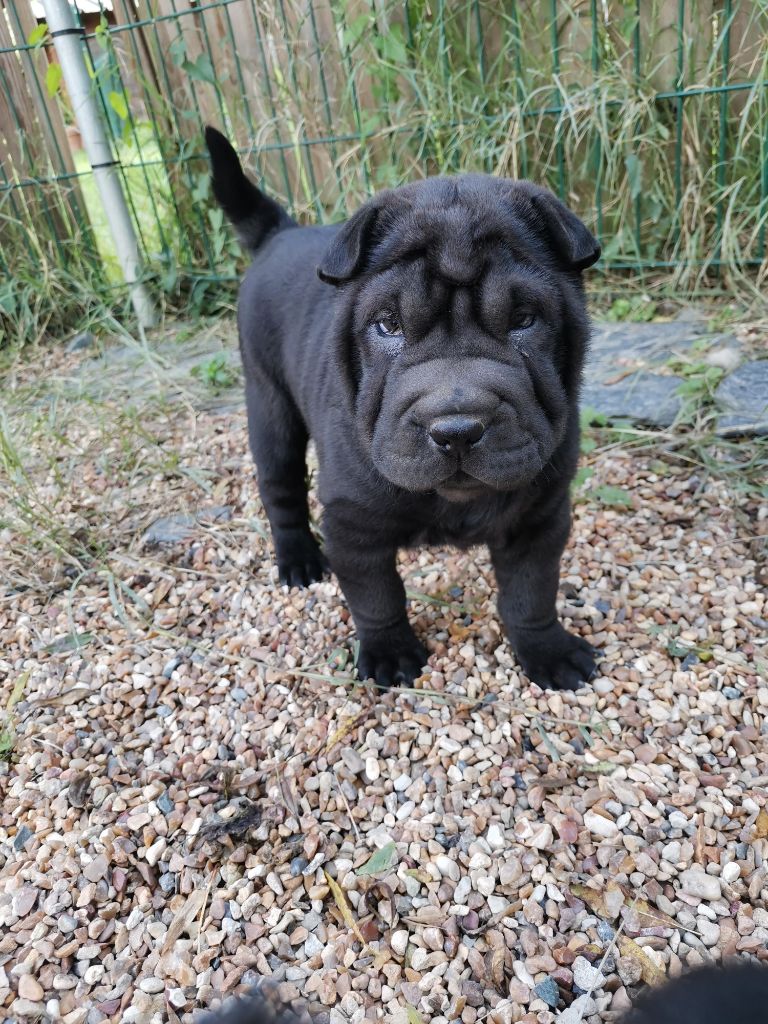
118 104
581 477
53 79
178 51
200 70
592 418
380 861
38 34
614 497
634 174
414 1017
70 642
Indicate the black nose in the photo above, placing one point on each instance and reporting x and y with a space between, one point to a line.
454 433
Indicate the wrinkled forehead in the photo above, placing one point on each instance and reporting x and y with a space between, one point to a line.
437 283
459 230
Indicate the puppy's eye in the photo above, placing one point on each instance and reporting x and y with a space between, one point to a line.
389 326
522 320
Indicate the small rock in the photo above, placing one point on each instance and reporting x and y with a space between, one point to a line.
30 989
730 872
152 985
352 760
81 341
399 942
548 991
25 1008
447 867
97 869
472 992
155 851
372 769
585 976
600 826
604 931
709 931
22 838
495 837
696 883
629 970
177 998
298 864
23 901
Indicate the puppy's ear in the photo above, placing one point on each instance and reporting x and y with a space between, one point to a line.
347 252
573 242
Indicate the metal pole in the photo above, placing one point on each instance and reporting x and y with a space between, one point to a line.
67 36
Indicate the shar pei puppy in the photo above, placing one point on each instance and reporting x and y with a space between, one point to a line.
432 348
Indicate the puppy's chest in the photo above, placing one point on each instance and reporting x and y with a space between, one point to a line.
463 525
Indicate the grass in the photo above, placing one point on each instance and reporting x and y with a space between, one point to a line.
675 186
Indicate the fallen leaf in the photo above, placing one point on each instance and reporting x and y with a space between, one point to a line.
247 816
422 876
184 917
381 860
761 824
648 916
77 793
62 700
374 894
414 1017
70 642
651 974
605 903
344 907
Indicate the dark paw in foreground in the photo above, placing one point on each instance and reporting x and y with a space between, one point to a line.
391 662
554 658
300 561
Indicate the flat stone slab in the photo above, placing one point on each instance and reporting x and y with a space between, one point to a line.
624 376
743 398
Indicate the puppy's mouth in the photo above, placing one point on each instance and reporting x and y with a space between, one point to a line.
460 486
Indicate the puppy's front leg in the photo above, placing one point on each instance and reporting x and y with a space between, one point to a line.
389 652
528 573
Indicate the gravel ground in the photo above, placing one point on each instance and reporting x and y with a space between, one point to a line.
197 794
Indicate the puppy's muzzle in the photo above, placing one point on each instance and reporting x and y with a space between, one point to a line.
456 434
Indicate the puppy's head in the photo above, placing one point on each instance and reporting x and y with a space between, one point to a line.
461 330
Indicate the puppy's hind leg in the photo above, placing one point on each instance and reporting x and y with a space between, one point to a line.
278 440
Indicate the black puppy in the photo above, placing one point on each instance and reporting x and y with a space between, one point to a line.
432 347
736 994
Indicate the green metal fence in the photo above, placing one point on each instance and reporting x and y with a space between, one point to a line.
650 119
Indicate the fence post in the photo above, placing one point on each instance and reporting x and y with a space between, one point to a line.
67 36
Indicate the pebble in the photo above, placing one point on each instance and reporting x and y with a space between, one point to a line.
709 932
585 976
697 883
30 988
548 991
600 826
447 867
192 718
352 760
152 985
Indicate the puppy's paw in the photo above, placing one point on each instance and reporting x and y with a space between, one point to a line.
554 658
391 661
300 560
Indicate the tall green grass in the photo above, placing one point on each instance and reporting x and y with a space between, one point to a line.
649 119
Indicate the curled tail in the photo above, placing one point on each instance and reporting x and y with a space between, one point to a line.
254 215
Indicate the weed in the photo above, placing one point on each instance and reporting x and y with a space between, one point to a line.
217 373
8 718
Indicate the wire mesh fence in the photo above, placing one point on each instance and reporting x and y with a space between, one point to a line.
650 119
